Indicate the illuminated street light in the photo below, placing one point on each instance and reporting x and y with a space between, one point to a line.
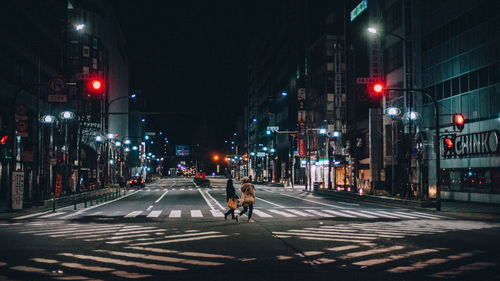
134 147
98 139
322 131
372 30
393 111
118 144
127 141
67 115
79 27
336 134
48 119
127 149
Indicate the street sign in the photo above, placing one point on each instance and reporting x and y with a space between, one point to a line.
366 80
359 9
58 185
57 98
261 154
57 84
17 190
21 126
87 76
273 128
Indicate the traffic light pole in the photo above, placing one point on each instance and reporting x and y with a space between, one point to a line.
438 140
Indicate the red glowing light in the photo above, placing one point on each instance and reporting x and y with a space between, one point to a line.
96 84
449 142
459 119
3 140
378 88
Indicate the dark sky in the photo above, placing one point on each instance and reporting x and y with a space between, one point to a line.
188 56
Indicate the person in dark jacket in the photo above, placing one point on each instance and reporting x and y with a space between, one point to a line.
230 194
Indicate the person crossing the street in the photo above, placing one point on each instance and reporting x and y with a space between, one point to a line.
232 199
247 198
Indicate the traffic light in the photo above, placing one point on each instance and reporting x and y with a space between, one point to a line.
376 90
458 121
3 140
93 88
449 144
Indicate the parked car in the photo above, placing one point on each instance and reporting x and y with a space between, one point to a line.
136 181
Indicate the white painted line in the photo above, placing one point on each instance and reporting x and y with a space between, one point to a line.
102 204
423 216
52 215
154 214
269 202
398 214
196 214
161 258
318 213
164 193
429 215
394 257
175 214
342 248
339 214
30 215
133 214
300 213
371 252
206 200
358 214
282 213
349 204
216 202
181 240
261 214
431 262
379 214
149 208
125 262
217 213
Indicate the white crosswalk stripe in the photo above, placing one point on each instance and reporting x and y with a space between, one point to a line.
320 214
154 214
217 213
175 214
133 214
282 213
261 214
299 213
196 214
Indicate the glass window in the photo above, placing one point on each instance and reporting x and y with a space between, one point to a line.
464 83
446 89
439 91
473 80
494 73
483 77
484 103
454 86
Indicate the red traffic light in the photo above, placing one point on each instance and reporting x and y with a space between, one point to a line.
3 140
449 142
378 88
459 121
96 85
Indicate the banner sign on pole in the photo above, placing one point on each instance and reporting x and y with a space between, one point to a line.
17 190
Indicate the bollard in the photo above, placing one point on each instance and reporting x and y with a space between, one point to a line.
74 202
91 202
53 204
85 202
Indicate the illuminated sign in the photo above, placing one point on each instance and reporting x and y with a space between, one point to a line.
359 9
474 144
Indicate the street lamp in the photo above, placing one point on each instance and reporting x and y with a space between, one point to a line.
48 119
393 112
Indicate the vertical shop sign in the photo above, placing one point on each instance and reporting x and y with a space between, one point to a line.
17 190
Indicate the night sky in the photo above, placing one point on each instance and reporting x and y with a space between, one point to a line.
189 56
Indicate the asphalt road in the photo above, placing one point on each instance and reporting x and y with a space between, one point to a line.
173 230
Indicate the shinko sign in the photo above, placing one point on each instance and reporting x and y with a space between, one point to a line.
475 144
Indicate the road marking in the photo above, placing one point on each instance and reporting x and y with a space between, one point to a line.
125 262
394 257
285 214
349 204
30 215
318 213
52 215
370 252
216 202
217 213
196 214
452 273
149 208
274 204
261 214
340 214
397 214
160 258
154 214
300 213
133 214
175 214
206 199
358 214
164 193
430 262
342 248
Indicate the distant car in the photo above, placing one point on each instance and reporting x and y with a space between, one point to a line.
136 181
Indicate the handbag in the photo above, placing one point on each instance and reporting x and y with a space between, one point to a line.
232 203
247 199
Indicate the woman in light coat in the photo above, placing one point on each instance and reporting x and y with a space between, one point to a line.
247 198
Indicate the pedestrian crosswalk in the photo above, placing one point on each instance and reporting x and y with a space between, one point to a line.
144 252
280 213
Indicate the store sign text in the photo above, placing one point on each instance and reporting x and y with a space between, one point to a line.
481 143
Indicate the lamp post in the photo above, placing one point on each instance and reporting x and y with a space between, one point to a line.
393 112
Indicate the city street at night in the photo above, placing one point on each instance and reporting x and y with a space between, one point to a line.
305 140
172 229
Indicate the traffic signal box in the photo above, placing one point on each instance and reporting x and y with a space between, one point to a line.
458 121
449 144
92 88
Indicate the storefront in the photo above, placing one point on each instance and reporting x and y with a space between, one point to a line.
471 167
